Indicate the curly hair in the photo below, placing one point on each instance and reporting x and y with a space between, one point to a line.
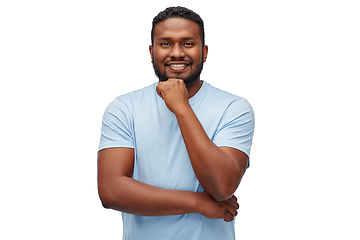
178 12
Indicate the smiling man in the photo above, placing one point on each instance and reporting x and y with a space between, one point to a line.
172 154
179 50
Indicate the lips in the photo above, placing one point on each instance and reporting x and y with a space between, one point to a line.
177 66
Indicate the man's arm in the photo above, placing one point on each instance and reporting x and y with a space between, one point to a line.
117 190
218 169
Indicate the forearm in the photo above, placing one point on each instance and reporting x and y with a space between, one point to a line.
217 172
119 191
134 197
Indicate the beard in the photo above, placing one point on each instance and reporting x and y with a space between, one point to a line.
188 80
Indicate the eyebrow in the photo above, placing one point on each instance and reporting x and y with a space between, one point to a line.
188 38
185 38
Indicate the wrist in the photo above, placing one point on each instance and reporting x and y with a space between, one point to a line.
194 202
199 201
184 110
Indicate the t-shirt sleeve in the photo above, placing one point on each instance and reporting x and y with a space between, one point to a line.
117 127
236 127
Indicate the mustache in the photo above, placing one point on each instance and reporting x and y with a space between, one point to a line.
178 60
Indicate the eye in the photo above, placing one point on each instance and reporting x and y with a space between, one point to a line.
165 44
188 44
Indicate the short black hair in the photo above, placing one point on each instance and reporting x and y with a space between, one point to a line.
178 12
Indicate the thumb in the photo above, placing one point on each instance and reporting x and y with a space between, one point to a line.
159 93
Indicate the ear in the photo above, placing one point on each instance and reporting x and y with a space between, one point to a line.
151 52
205 52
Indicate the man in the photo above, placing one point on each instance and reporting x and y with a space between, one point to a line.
171 155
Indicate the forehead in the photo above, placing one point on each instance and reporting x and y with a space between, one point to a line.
177 28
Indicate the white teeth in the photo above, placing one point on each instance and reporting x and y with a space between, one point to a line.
178 65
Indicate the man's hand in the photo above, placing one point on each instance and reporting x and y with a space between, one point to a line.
174 93
226 210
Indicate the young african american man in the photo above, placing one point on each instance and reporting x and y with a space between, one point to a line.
172 154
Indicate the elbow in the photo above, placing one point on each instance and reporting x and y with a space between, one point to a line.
112 196
110 203
112 200
222 196
106 198
105 204
224 191
105 201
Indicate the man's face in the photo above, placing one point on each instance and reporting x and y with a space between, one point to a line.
177 50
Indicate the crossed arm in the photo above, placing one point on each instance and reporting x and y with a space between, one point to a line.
117 190
219 170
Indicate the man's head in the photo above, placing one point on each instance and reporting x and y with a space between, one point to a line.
178 12
178 49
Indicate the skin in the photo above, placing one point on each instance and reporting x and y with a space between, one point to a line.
219 170
174 45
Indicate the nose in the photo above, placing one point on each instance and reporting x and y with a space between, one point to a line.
177 51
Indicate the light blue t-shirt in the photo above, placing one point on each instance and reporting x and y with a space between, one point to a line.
141 120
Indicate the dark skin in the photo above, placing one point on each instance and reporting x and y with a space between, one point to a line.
218 169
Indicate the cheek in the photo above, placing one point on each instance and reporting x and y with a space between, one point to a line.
195 54
159 60
160 53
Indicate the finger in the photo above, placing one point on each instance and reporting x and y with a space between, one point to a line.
234 197
160 85
175 80
228 217
159 93
163 86
235 205
232 212
160 89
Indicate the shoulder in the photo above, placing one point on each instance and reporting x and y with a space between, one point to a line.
226 98
129 99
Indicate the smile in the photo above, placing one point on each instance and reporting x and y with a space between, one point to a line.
177 66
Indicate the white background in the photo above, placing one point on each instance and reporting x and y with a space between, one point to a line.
297 62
